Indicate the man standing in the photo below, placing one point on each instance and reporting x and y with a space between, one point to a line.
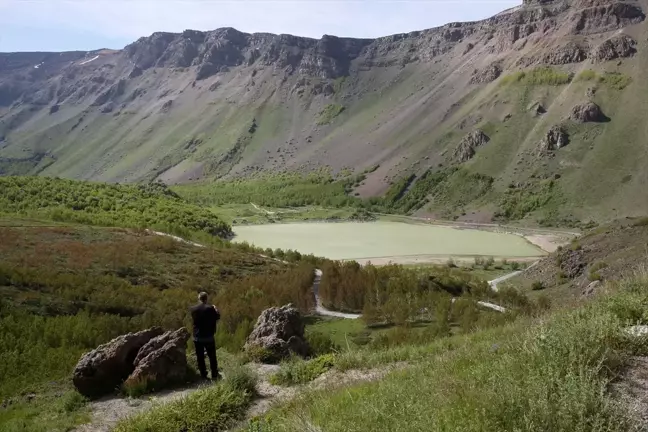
204 318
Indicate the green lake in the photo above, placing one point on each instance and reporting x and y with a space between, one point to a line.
349 240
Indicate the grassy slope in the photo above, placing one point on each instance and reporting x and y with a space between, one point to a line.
65 289
533 375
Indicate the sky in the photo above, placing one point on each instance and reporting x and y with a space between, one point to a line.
68 25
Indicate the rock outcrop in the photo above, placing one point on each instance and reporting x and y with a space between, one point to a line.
280 332
555 139
466 148
572 262
105 368
488 74
587 112
616 47
591 289
537 108
163 360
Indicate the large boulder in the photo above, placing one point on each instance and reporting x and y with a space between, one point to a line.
162 361
466 148
587 112
105 368
280 333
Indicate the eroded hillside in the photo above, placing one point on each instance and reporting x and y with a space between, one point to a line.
537 110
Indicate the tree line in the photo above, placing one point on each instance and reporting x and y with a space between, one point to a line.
147 206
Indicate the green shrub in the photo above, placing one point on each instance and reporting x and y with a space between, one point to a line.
329 113
598 266
576 246
259 354
593 274
538 286
138 206
616 80
214 408
361 338
321 343
488 263
538 76
298 371
73 401
515 266
543 302
587 75
641 222
137 388
240 378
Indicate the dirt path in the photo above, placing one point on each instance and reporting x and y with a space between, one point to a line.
271 395
107 412
632 390
321 310
268 212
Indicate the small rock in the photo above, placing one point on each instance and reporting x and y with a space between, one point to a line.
466 148
108 108
30 397
536 108
167 106
555 139
591 289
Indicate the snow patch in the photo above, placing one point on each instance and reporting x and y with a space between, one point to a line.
39 65
88 61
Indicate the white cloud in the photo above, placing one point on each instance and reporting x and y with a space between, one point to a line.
128 20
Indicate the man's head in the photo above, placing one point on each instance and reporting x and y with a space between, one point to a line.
203 297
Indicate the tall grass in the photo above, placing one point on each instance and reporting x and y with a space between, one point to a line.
214 408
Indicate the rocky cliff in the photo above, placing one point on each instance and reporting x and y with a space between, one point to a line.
195 105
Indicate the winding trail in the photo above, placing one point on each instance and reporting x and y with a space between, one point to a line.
318 301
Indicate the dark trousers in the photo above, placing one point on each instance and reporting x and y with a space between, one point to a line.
210 348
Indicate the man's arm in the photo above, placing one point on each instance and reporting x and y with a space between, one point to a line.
217 313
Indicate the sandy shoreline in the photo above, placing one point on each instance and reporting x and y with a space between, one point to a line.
433 259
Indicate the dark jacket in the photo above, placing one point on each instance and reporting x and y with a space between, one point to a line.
204 318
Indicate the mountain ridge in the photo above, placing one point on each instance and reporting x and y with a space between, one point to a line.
189 106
